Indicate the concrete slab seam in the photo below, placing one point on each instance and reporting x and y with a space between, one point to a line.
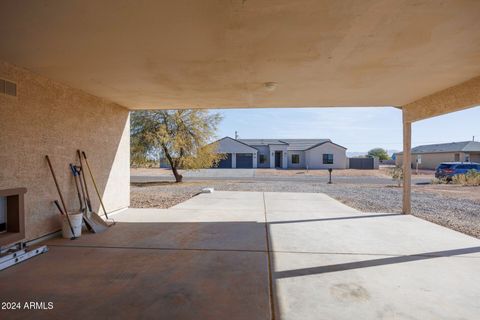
269 262
262 251
156 248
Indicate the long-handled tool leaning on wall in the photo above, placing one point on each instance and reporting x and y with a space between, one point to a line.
64 211
94 184
91 225
82 178
97 224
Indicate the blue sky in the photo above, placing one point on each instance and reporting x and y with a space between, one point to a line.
358 129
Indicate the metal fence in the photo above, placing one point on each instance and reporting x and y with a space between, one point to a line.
363 163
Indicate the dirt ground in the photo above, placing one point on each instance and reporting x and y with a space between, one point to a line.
451 191
382 172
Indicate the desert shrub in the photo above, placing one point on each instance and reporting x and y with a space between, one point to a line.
471 178
439 181
145 163
397 175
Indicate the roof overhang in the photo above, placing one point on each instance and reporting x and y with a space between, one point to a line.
241 53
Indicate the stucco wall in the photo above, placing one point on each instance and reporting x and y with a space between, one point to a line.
229 145
475 157
431 160
314 157
299 165
265 150
50 118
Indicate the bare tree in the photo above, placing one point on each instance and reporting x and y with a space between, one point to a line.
183 136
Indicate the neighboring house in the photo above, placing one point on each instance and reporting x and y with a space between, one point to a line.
430 156
282 153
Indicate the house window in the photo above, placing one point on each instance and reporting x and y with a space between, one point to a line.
457 157
263 159
295 158
327 158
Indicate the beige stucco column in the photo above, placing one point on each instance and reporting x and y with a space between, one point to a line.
407 171
462 96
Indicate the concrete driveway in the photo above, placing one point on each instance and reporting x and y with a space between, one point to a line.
254 255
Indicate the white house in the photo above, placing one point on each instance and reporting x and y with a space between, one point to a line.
239 154
282 153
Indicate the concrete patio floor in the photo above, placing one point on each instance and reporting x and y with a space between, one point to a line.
244 255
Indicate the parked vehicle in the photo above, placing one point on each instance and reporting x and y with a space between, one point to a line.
446 170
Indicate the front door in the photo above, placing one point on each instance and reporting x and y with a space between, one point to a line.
278 159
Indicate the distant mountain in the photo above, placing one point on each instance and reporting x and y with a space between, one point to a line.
356 154
363 154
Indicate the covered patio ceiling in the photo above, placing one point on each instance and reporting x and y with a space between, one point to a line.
221 54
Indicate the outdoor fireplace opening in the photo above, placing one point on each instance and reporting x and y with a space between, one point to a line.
12 216
3 214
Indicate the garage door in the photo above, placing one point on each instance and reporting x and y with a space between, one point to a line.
244 160
226 163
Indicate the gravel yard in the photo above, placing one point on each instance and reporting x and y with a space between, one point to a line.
452 206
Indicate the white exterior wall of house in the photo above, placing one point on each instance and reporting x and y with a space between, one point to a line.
283 149
265 150
301 163
255 160
228 145
234 160
314 157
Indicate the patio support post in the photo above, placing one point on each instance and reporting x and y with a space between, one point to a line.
407 169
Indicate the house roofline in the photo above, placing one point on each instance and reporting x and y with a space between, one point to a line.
268 144
434 152
283 143
319 144
463 149
227 137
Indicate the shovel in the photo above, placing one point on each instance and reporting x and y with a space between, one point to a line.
93 224
91 214
61 198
